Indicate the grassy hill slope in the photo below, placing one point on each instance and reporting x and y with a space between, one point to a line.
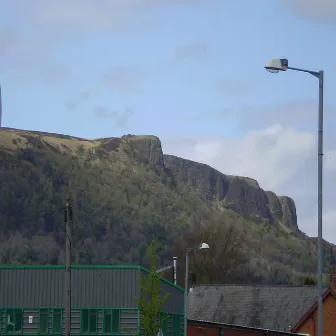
122 194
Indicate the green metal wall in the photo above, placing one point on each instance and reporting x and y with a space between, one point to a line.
33 290
33 323
91 286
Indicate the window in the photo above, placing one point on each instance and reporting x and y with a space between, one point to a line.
43 321
111 321
115 320
89 320
14 320
170 330
57 321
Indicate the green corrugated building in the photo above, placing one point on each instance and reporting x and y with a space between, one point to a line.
103 300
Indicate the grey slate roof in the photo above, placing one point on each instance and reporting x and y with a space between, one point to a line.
268 307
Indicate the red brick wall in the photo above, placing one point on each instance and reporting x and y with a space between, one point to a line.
195 329
329 319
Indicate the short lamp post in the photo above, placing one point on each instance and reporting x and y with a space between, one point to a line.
277 65
203 246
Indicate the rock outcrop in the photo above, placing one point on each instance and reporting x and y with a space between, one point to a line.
149 148
240 194
289 217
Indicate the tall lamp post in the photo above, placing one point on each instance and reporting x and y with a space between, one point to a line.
203 246
277 65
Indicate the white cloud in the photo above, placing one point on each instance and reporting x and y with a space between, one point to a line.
259 153
281 159
87 15
36 28
300 113
317 10
27 56
329 219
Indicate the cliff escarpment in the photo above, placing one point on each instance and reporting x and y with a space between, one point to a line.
124 190
240 194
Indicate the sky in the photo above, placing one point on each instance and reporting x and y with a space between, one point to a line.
189 71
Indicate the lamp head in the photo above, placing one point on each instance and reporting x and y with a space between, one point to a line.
204 246
277 64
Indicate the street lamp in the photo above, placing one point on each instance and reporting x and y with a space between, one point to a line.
277 65
203 246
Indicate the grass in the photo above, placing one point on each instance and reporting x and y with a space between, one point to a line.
13 139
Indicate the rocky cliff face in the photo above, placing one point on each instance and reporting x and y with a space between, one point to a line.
146 148
289 217
240 194
149 148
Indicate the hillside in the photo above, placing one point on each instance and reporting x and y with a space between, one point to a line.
124 190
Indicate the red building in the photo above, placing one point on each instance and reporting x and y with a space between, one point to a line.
308 322
260 310
256 306
200 328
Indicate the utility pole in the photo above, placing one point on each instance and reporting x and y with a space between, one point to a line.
68 222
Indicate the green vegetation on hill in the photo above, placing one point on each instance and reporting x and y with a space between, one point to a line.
123 194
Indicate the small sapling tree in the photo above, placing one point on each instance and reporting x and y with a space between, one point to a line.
151 299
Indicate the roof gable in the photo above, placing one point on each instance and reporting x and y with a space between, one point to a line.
267 307
312 309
